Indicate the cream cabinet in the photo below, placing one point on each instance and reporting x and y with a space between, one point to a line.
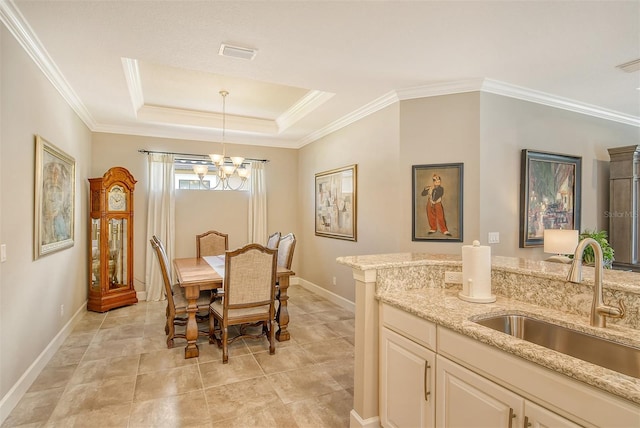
466 399
548 398
432 376
407 384
407 370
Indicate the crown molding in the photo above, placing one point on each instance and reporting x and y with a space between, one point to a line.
311 101
437 89
11 17
513 91
20 29
471 85
201 119
134 83
191 134
372 107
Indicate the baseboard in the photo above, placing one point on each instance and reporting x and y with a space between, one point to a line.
141 295
17 391
330 296
355 421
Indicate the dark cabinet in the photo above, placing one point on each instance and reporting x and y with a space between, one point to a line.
624 192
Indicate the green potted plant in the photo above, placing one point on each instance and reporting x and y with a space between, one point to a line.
607 252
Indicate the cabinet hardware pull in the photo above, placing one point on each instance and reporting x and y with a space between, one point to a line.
512 416
426 381
527 424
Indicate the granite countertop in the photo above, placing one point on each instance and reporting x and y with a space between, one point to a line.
443 307
613 279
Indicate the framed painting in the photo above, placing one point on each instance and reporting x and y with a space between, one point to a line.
336 203
549 195
55 183
437 202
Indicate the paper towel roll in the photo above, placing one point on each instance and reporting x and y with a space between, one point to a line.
476 274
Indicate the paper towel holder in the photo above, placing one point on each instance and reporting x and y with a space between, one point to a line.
467 293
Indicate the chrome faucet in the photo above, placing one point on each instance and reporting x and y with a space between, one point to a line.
599 311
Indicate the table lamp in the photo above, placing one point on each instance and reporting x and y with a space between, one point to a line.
560 242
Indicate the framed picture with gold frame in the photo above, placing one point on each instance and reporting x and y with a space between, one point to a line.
55 184
336 203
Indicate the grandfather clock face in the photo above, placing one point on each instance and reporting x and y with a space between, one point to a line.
117 199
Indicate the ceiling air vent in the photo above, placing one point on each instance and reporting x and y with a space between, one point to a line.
630 66
237 52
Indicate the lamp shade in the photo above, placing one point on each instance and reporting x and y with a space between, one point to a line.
558 241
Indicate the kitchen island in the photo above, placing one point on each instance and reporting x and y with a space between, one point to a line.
414 284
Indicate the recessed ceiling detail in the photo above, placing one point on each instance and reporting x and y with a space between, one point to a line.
187 98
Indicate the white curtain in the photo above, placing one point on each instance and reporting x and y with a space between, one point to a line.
258 205
160 219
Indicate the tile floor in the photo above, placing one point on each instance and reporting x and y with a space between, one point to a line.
115 370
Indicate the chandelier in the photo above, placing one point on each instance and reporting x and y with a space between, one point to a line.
229 173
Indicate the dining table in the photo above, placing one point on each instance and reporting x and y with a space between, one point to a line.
206 273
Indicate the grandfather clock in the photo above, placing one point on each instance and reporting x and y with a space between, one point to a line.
111 244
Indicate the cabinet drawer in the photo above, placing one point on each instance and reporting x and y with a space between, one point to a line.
410 326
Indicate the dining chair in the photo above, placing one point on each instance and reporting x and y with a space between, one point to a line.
273 241
285 250
249 293
176 302
285 258
211 243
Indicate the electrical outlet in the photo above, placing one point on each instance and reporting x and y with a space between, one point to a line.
334 280
3 253
61 310
453 277
494 237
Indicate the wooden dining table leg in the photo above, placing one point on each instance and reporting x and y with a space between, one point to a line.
191 294
283 312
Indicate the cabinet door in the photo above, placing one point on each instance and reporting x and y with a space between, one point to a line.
539 417
466 399
406 382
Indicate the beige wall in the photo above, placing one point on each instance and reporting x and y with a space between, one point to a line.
32 292
508 126
486 132
372 144
198 211
440 130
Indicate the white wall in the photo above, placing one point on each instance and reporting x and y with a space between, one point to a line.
32 292
199 211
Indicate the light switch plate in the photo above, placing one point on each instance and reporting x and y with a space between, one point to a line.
3 253
494 237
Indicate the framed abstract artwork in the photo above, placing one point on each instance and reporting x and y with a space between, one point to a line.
437 202
336 203
55 183
550 186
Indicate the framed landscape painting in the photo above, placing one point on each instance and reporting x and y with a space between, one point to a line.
336 203
437 202
55 181
550 186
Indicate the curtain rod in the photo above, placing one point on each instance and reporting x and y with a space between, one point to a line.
193 155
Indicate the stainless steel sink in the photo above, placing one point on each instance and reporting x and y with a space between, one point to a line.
612 355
